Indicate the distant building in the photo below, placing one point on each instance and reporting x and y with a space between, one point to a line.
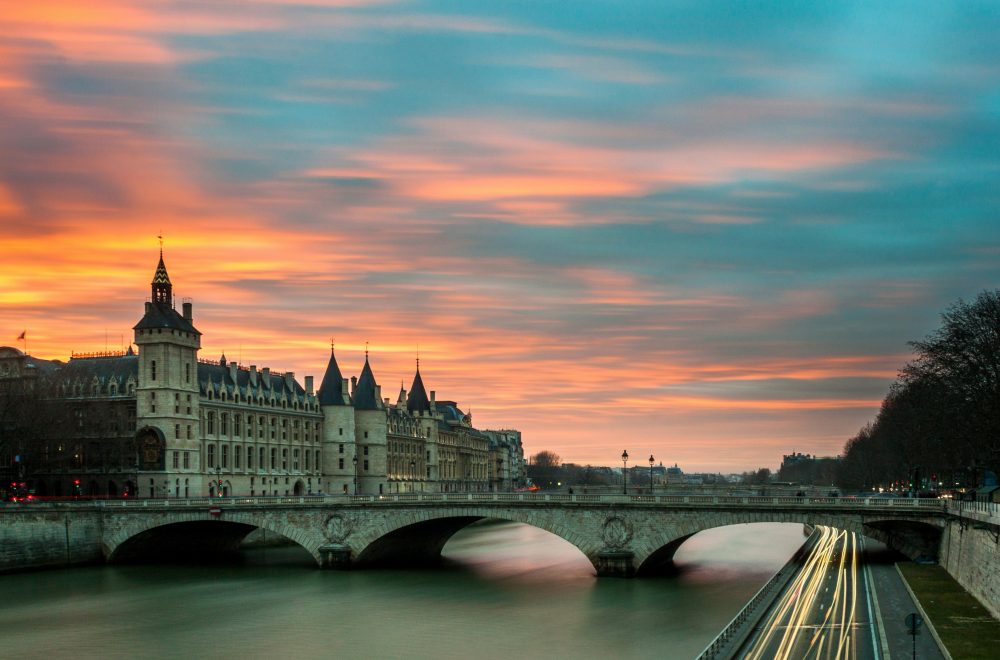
808 469
162 422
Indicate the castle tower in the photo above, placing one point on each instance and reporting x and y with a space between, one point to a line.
371 425
338 430
167 415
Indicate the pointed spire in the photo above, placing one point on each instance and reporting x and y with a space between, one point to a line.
162 289
417 399
366 391
331 390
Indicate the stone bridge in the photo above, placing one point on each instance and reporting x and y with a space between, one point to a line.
621 535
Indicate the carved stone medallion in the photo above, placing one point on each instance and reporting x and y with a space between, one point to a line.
338 528
617 532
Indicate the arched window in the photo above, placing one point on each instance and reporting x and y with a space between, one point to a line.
211 456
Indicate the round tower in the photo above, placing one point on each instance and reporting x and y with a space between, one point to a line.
338 430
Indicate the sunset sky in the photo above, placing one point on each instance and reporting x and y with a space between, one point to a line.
700 230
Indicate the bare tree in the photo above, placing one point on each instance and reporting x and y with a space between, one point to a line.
942 416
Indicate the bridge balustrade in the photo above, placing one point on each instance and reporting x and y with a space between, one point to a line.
982 508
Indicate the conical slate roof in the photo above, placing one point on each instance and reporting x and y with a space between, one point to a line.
417 399
331 390
365 393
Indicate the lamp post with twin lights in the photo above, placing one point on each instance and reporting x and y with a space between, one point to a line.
355 462
625 472
651 460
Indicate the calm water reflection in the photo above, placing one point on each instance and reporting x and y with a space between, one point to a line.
507 591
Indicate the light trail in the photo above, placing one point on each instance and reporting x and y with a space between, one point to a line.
817 615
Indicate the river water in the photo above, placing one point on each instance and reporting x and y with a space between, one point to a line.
506 591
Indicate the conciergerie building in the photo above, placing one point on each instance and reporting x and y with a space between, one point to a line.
160 421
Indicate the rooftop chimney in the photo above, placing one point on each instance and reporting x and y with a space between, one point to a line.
309 385
253 374
187 311
354 383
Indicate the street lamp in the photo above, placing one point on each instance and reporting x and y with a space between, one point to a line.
355 462
625 472
413 473
651 459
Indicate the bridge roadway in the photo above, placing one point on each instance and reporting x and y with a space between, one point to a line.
622 535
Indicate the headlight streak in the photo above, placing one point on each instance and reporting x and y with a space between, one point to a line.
812 602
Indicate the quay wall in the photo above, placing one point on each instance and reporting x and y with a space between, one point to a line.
970 552
32 537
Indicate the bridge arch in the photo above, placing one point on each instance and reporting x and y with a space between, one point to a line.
198 531
654 553
418 536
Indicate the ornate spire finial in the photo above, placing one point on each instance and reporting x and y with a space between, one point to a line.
162 291
331 344
366 351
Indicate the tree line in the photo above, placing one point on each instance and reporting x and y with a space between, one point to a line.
940 421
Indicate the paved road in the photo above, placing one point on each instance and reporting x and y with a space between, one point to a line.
894 604
826 611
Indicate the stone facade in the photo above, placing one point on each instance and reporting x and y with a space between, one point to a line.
160 422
